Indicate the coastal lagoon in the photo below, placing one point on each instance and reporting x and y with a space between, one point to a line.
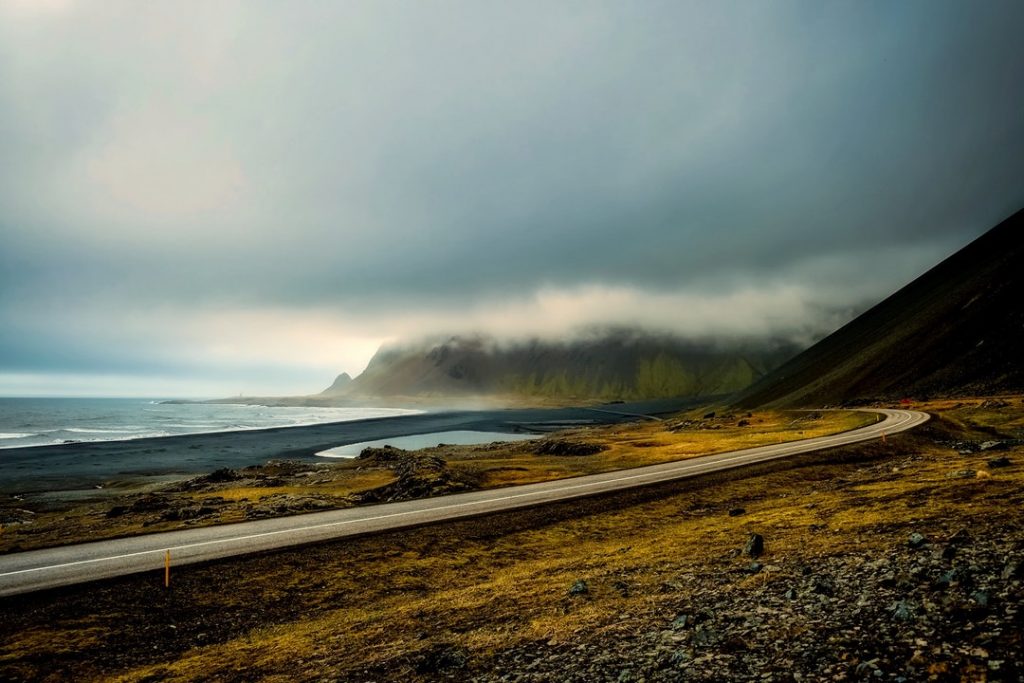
417 441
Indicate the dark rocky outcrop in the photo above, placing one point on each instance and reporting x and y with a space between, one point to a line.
754 546
418 475
566 447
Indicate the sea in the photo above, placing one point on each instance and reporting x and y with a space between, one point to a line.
46 421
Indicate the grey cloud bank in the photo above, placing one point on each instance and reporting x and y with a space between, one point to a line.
228 190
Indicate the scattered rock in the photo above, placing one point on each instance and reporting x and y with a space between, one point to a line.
419 475
999 462
441 658
150 503
383 456
822 585
993 403
704 636
681 622
736 512
579 587
960 537
754 546
565 447
945 579
902 611
220 476
285 504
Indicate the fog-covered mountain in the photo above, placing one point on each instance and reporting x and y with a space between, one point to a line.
617 365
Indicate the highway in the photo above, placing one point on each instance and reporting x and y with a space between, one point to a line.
67 565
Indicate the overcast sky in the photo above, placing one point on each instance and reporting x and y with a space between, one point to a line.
206 198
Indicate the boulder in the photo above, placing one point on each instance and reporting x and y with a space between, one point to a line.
902 611
916 540
754 546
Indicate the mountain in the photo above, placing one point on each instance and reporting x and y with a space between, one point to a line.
616 365
339 385
956 330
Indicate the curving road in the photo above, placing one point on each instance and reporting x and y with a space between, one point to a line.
52 567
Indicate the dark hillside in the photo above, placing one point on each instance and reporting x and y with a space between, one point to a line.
957 329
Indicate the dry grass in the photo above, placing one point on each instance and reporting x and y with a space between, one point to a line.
352 481
648 443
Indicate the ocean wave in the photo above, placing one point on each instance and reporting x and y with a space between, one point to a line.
109 430
177 425
80 425
135 435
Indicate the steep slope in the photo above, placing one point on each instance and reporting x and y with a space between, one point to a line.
613 366
957 329
339 385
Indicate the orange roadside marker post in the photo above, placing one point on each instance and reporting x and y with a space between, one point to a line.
167 570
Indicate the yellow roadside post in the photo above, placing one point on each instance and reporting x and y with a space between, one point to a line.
167 570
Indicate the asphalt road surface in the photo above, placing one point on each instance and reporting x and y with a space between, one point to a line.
52 567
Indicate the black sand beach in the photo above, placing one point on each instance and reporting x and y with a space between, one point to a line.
76 466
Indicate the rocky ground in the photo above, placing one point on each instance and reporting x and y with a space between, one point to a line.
939 607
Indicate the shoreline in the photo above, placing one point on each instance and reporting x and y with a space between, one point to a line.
76 442
84 465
